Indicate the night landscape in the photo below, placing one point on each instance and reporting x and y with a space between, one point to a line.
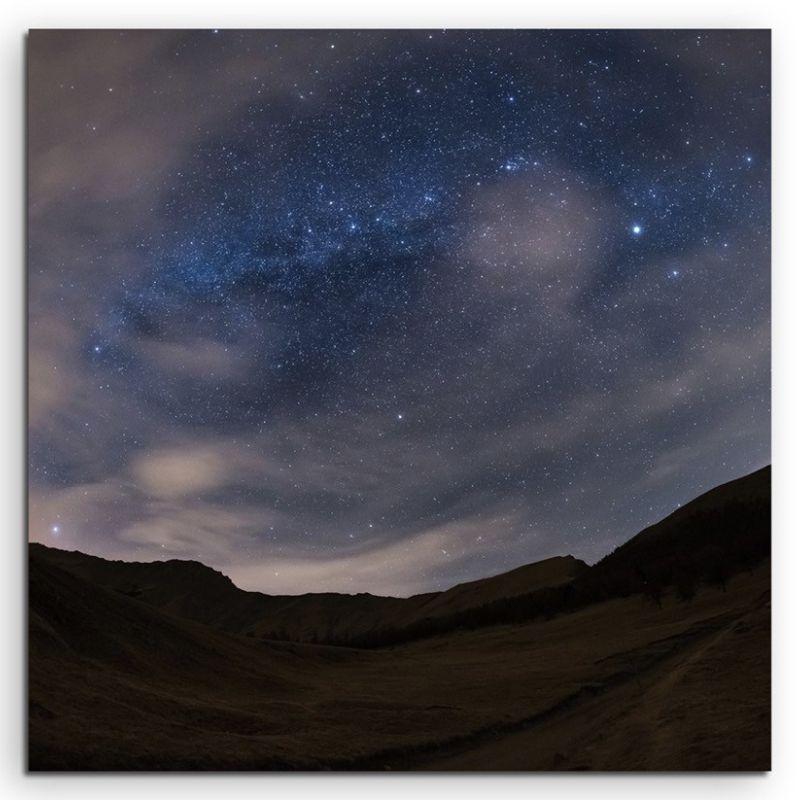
399 400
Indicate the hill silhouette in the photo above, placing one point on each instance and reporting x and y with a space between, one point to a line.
192 590
555 665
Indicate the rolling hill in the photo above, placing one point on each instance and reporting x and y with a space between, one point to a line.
197 592
150 666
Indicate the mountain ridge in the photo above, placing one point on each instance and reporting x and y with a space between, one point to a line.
649 562
195 591
533 681
193 563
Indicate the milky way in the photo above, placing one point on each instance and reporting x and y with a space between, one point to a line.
386 311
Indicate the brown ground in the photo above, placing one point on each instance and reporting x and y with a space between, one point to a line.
118 684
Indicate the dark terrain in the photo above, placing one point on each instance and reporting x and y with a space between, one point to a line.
657 657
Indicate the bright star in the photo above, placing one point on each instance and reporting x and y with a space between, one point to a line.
636 229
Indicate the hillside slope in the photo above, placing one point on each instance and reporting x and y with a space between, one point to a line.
116 684
613 682
192 590
707 540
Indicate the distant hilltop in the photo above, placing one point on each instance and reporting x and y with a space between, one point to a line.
717 534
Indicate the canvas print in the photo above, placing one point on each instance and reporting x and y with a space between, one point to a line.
398 400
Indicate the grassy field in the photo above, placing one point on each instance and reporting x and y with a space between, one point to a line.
623 684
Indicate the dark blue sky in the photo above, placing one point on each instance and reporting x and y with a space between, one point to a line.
385 311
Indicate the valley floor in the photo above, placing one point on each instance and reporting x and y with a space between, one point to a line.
621 685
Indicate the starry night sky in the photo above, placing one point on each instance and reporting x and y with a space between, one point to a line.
386 311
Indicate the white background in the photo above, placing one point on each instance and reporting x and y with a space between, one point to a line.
784 781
